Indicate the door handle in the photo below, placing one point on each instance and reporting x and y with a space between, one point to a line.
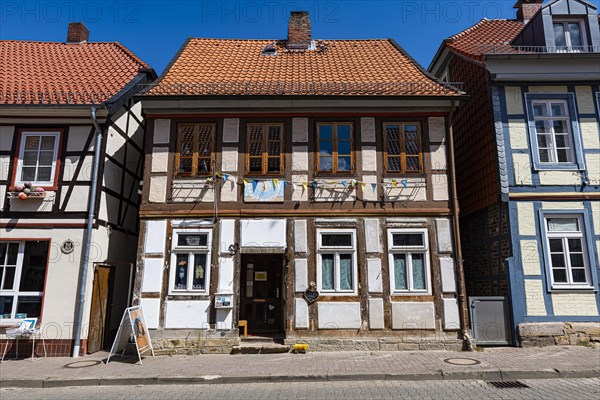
277 292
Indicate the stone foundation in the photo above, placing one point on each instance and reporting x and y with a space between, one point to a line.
376 344
194 342
559 334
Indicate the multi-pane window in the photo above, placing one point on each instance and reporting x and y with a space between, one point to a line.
190 261
22 277
553 132
265 149
569 35
335 148
194 149
567 251
336 264
403 147
37 158
409 261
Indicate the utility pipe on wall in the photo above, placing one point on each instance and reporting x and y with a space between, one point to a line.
85 263
460 272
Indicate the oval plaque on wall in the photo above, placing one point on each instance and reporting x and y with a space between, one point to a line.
311 294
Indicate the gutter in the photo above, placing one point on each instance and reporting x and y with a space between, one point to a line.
87 240
462 291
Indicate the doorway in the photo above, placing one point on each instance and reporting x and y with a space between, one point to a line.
261 302
99 335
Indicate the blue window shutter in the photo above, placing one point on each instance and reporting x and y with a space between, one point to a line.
535 155
577 142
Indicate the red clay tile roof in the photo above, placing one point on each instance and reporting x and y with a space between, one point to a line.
59 73
474 41
351 67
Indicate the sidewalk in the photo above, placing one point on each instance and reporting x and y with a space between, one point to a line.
493 364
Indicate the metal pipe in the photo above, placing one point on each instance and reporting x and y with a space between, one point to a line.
462 292
87 240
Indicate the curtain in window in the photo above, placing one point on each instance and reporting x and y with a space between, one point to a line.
418 270
345 271
400 276
327 272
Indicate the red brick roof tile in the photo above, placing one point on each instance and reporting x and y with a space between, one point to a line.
351 67
474 41
59 73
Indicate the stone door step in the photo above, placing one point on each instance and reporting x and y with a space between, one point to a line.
260 348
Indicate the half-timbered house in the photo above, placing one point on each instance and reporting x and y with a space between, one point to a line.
528 171
64 106
300 189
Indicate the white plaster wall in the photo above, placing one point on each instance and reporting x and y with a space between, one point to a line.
155 237
225 275
160 159
158 189
226 235
369 158
560 178
592 163
590 137
585 99
193 190
367 129
78 136
301 314
437 129
413 315
231 129
438 156
530 259
78 200
229 159
526 218
440 187
444 235
376 318
153 275
300 275
162 131
298 191
374 274
299 158
339 315
151 309
300 130
300 236
451 315
187 314
6 137
517 132
229 191
448 275
263 233
72 162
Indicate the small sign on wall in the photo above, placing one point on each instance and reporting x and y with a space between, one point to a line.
260 276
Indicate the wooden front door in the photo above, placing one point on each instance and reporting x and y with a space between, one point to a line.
99 315
261 293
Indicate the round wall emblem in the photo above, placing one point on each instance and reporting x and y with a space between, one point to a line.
311 294
68 246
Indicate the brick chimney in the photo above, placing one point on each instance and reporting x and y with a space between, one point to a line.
299 34
526 9
78 33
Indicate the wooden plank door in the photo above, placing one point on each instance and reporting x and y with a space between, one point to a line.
98 312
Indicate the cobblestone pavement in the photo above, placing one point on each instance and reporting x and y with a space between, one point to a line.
495 363
580 389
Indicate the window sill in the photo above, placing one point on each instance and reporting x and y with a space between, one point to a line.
573 289
558 167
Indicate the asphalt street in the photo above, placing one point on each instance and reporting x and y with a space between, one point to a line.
547 389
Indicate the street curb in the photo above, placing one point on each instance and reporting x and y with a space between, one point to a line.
491 375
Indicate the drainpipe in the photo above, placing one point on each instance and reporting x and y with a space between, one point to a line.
460 272
88 234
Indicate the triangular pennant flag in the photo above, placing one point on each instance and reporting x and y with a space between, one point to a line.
245 182
362 185
254 185
314 184
285 183
344 183
394 183
404 182
275 183
225 177
304 185
373 187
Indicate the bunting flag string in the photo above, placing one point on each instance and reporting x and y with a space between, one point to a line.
315 184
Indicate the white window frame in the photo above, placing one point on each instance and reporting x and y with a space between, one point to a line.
409 250
15 293
568 46
190 250
24 134
336 251
547 122
581 234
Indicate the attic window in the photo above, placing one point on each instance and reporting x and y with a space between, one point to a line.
269 50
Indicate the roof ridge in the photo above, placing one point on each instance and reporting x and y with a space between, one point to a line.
277 40
131 54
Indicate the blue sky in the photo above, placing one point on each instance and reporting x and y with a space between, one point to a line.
155 29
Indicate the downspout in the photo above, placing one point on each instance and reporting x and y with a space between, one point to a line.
460 272
87 240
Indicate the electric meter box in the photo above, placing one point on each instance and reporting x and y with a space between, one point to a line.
224 301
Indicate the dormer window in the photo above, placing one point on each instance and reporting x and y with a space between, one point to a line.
569 36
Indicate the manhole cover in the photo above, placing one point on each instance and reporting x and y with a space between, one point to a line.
462 361
83 364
